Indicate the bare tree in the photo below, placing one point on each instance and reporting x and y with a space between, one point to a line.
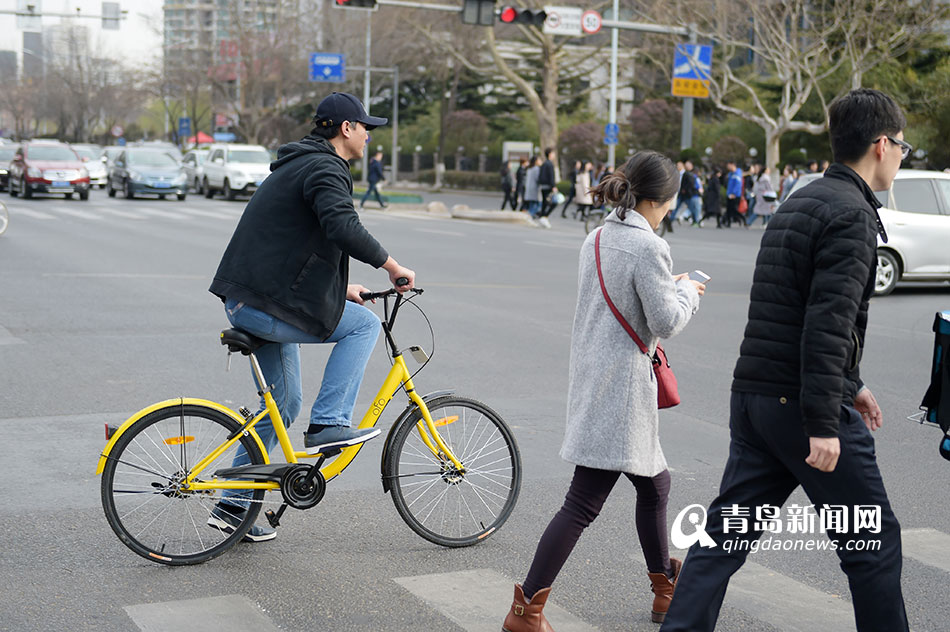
796 49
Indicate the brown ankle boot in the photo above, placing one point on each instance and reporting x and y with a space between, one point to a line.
526 616
663 588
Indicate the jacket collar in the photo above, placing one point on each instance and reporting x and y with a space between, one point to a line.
845 173
633 219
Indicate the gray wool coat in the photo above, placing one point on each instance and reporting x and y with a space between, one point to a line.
612 416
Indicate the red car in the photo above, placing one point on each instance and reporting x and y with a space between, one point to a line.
48 167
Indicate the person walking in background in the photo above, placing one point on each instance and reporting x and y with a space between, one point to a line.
546 182
712 196
374 177
507 187
575 170
532 192
789 178
765 196
800 414
733 194
612 418
519 184
748 191
582 191
690 193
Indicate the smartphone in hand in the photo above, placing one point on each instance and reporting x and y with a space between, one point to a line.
699 276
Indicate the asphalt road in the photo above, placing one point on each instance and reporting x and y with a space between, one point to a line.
104 309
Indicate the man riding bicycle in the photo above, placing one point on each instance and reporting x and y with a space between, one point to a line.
284 278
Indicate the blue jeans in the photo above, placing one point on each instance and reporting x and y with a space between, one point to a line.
355 337
534 207
694 206
372 190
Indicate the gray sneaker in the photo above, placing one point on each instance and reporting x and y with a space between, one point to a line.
227 517
336 437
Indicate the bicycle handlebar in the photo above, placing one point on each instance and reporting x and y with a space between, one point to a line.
371 296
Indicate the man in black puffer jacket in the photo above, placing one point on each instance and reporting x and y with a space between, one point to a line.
284 277
800 414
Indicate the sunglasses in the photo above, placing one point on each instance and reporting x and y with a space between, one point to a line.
906 148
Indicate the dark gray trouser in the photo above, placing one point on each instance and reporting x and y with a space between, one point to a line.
766 464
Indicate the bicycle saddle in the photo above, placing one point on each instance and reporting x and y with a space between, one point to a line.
238 341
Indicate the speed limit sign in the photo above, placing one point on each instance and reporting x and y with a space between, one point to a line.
591 22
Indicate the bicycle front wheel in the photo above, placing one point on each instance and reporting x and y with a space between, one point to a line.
142 495
444 505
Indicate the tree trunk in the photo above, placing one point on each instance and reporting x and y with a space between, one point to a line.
773 137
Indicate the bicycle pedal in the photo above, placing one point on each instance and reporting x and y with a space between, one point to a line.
274 517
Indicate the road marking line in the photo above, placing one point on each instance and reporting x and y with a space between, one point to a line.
228 613
435 231
6 338
927 546
162 214
76 213
753 589
554 244
30 213
122 275
195 211
120 213
477 600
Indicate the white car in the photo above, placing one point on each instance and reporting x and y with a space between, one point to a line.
194 164
95 162
916 216
235 170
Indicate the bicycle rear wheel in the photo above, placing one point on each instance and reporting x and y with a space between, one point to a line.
141 495
440 503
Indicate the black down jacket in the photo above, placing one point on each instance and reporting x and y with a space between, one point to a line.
813 278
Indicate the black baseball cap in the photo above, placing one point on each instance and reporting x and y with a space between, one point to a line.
341 106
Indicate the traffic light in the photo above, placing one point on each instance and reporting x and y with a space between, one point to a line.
480 12
356 4
515 15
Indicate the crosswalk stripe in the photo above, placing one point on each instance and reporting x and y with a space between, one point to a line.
120 213
228 613
753 589
75 212
477 600
31 213
927 546
203 213
154 212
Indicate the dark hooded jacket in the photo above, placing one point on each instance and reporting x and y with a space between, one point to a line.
289 255
808 311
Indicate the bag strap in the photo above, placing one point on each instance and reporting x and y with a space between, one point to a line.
610 303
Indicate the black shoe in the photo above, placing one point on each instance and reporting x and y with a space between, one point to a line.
331 437
227 518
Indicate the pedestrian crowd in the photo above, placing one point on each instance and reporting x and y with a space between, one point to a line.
734 195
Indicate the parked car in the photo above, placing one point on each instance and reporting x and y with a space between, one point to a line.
235 170
48 167
141 170
94 160
194 167
7 151
916 216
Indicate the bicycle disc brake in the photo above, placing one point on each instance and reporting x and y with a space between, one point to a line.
301 490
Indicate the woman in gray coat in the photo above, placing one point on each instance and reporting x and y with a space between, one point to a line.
612 416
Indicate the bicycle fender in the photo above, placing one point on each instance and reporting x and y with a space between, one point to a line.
169 403
403 415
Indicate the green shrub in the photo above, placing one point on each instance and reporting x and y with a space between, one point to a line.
564 186
471 180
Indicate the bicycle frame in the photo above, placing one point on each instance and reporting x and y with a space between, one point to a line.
398 377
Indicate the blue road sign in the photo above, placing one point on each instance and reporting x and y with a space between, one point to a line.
184 127
328 67
611 129
610 140
692 61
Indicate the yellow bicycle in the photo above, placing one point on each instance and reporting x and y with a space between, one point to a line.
451 464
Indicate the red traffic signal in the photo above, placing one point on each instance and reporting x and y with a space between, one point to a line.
514 15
